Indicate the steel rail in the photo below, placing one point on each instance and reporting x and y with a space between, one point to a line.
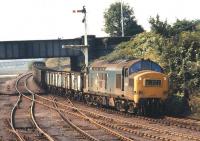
163 121
147 127
108 124
85 117
131 124
33 115
86 135
121 137
12 120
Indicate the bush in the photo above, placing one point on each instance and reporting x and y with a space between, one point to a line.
177 105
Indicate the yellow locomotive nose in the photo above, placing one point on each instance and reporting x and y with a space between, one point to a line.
150 85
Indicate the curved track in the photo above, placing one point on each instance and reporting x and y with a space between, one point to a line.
117 127
111 123
86 135
84 117
33 115
12 116
167 121
23 136
109 131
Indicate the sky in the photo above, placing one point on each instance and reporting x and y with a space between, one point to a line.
53 19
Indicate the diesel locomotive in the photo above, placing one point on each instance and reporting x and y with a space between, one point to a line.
136 86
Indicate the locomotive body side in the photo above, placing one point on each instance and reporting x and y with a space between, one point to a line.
137 84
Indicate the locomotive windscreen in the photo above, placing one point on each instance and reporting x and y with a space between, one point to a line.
145 65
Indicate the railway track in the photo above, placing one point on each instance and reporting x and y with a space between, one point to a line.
168 121
116 136
138 125
12 115
107 121
22 134
111 125
185 123
83 116
48 137
68 121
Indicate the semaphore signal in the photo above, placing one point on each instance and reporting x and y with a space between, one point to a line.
84 47
80 11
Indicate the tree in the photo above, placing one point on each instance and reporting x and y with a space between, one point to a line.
185 25
159 26
175 29
112 18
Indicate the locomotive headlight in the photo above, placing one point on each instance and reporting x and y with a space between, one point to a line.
140 78
165 78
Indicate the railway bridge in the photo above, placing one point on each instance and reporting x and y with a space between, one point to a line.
28 49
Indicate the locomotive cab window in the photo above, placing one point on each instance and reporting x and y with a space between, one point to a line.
152 83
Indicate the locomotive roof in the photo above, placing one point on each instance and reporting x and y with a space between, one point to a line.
114 64
120 64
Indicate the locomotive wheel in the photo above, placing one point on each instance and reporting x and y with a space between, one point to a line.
66 93
119 106
94 101
88 100
80 96
99 101
77 96
70 95
130 108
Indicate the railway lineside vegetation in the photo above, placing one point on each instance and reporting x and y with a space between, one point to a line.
176 48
